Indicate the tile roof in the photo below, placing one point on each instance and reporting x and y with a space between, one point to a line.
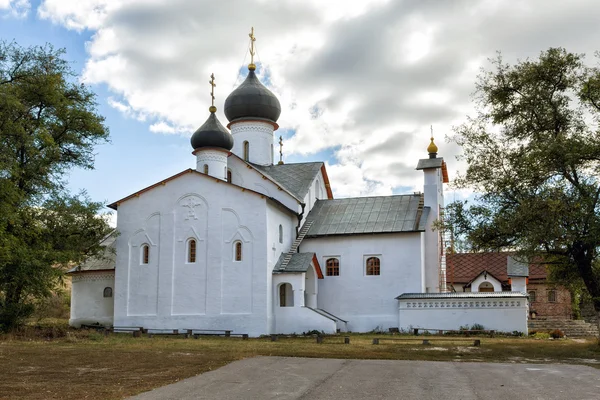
106 260
459 295
464 267
360 215
300 262
296 178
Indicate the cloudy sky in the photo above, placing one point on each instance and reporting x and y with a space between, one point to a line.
360 82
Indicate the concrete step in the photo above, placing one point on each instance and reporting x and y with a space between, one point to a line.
572 328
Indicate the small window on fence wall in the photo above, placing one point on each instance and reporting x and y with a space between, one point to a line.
333 266
107 292
373 266
552 296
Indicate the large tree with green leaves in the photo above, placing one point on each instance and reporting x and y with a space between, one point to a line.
48 125
533 156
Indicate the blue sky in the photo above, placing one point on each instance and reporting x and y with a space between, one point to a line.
360 82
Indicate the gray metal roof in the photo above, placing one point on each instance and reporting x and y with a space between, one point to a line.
459 295
365 215
107 259
516 268
300 262
295 178
426 163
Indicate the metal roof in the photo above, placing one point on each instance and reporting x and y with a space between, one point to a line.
296 178
426 163
460 295
107 259
364 215
300 262
252 100
516 268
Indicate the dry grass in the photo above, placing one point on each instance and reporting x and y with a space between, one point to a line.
86 365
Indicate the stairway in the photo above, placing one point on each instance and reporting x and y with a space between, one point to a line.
296 244
570 327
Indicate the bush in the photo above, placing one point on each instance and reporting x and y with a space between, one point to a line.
477 327
540 335
557 334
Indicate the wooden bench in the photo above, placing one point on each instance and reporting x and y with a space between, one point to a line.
456 332
214 332
163 332
476 342
136 331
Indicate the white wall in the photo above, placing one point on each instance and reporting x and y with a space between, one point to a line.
489 279
519 284
316 191
505 314
260 138
216 160
297 319
88 304
367 302
275 217
433 197
216 292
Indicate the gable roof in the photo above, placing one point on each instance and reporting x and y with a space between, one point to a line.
300 262
464 267
106 260
296 178
365 215
117 203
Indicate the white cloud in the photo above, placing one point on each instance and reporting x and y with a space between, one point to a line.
363 78
15 8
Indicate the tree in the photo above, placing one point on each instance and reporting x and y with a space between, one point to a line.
48 125
533 156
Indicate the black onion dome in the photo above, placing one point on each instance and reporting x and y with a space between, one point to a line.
252 100
212 134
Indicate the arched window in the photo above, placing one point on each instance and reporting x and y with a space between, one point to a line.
333 267
286 295
238 251
192 251
373 266
229 175
145 254
280 234
486 287
318 190
246 151
206 169
107 292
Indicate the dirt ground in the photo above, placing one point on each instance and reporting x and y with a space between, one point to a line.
87 365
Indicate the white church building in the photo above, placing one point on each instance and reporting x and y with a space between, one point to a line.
240 243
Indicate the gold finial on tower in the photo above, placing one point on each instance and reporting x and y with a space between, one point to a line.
432 149
280 150
251 66
212 107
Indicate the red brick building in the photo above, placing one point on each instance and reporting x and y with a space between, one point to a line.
478 272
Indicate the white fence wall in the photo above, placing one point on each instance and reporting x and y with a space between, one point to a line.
505 314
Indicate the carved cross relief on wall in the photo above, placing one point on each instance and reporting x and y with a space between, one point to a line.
191 204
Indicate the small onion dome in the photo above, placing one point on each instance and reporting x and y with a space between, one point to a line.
252 100
212 134
432 148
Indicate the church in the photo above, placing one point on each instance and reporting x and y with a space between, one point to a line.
241 243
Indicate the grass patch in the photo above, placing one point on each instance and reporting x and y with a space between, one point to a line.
76 364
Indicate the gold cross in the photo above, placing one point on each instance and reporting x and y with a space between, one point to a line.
252 40
280 150
212 89
431 128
